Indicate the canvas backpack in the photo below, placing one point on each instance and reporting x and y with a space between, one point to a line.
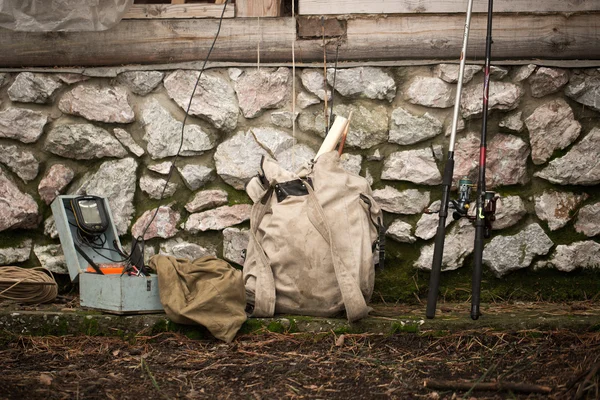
312 240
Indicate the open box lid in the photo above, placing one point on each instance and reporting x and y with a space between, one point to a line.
68 235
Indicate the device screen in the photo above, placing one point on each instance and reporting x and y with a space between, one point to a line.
90 212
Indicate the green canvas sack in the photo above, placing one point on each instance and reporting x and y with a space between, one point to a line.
207 291
312 240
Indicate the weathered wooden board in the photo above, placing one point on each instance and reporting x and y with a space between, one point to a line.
325 7
409 37
258 8
206 10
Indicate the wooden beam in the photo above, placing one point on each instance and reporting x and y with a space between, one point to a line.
409 37
201 10
325 7
258 8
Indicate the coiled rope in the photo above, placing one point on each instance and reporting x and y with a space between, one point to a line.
27 285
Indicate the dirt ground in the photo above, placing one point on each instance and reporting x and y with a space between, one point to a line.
271 366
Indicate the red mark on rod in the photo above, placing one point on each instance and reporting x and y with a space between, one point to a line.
481 156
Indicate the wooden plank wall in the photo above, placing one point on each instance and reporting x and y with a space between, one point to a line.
519 36
328 7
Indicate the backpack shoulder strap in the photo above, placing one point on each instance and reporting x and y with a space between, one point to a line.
354 301
264 296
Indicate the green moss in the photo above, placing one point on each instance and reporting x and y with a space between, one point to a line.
404 327
342 330
89 326
251 325
275 326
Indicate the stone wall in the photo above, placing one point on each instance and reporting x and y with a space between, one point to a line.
116 137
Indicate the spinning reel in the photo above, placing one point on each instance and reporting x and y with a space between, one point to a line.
462 205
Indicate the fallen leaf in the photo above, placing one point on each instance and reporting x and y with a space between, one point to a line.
340 340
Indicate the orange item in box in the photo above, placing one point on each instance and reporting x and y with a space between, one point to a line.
107 269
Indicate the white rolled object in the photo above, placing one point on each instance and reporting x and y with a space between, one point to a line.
333 136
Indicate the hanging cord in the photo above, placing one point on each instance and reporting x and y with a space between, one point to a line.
324 74
187 111
337 53
27 285
294 79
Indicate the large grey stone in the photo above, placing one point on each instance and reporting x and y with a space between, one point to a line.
127 141
238 159
504 254
523 72
428 223
506 160
416 166
206 199
580 166
368 126
588 220
547 80
195 176
235 242
457 246
163 225
312 80
31 87
509 211
19 160
304 100
17 209
261 89
274 141
407 128
57 177
50 228
22 124
400 231
83 142
312 120
214 99
179 248
70 78
449 72
512 122
283 119
98 103
584 87
218 219
115 180
366 82
498 73
16 254
430 92
295 157
584 254
503 96
162 168
409 201
557 208
155 187
163 133
52 258
351 163
460 126
551 126
141 82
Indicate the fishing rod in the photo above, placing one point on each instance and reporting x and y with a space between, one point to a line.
486 201
462 205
